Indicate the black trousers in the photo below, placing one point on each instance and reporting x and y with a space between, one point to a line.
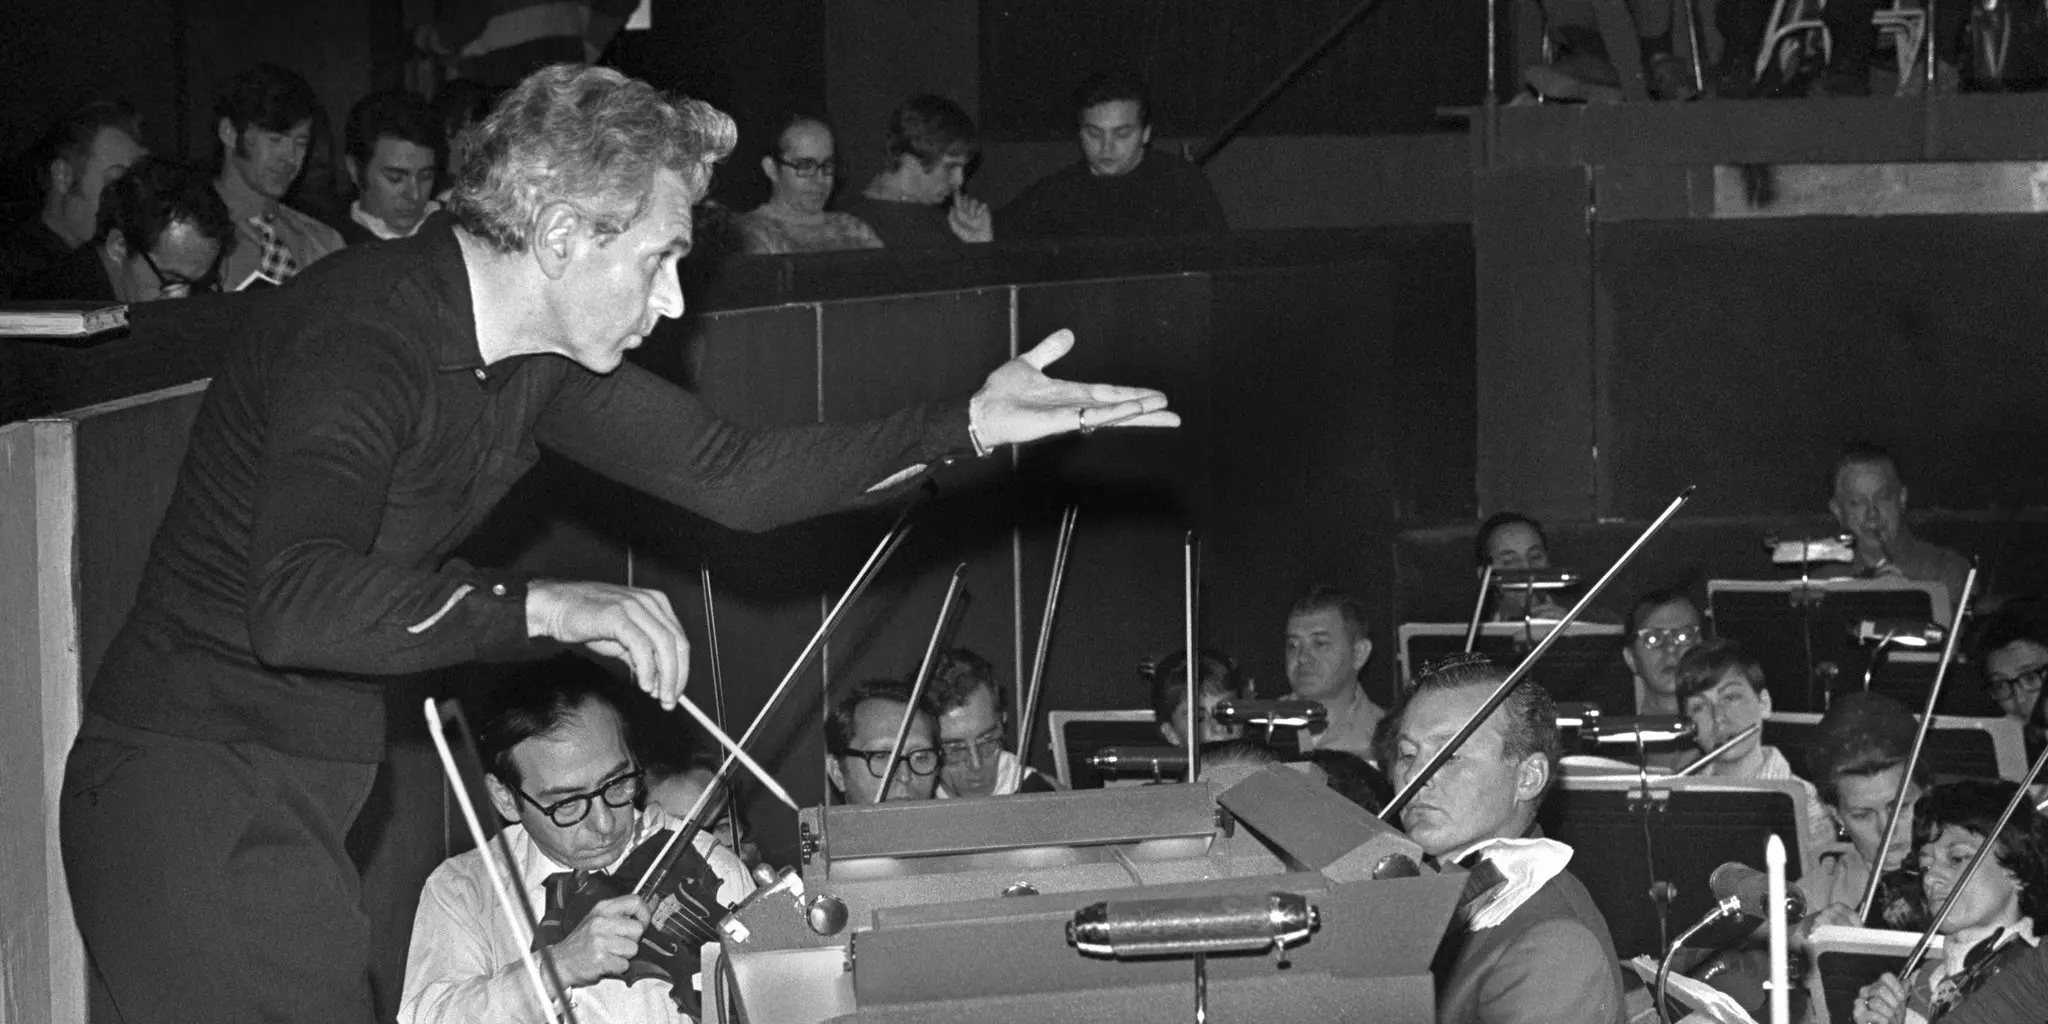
210 881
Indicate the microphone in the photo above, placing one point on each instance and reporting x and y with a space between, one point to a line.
1644 728
1273 714
1904 632
1749 889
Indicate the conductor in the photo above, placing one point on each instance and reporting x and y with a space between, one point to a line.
373 413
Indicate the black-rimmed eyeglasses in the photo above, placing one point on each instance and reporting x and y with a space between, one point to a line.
2003 688
920 762
174 286
567 812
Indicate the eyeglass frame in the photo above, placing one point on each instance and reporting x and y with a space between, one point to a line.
1654 637
909 760
637 777
809 168
991 737
2001 689
164 282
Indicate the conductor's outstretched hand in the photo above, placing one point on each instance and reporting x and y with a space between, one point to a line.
1019 403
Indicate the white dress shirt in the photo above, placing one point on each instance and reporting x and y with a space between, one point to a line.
465 968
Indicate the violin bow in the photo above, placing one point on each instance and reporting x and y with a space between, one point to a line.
1189 555
1479 607
496 855
1392 811
732 810
1891 821
1976 860
924 673
1052 603
692 820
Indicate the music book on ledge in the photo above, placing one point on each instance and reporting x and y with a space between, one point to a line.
61 319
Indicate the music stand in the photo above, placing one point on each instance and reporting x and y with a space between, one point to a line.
1077 735
1583 666
1850 958
1956 745
1800 629
1677 835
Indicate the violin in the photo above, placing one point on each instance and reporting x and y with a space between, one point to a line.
681 892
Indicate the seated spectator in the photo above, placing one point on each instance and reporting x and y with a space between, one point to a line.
1327 648
1121 187
264 121
1857 762
858 735
560 771
394 146
1167 678
1536 948
800 177
2013 650
459 103
675 783
1663 625
162 231
1870 503
1722 687
973 717
930 143
74 162
1992 924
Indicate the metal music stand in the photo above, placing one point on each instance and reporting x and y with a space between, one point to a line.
1957 745
1583 666
1676 835
1800 629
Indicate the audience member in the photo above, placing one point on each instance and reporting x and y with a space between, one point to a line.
801 173
930 141
1167 680
394 150
1870 503
1991 925
74 162
1722 687
162 231
560 771
1327 648
858 735
973 717
2012 648
1663 625
265 122
1857 761
1121 187
1536 948
673 786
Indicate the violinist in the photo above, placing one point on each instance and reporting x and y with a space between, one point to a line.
858 735
1859 757
963 697
559 770
673 785
1526 944
1991 926
1167 679
1722 688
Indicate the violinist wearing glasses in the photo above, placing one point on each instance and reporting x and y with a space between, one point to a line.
560 772
858 734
